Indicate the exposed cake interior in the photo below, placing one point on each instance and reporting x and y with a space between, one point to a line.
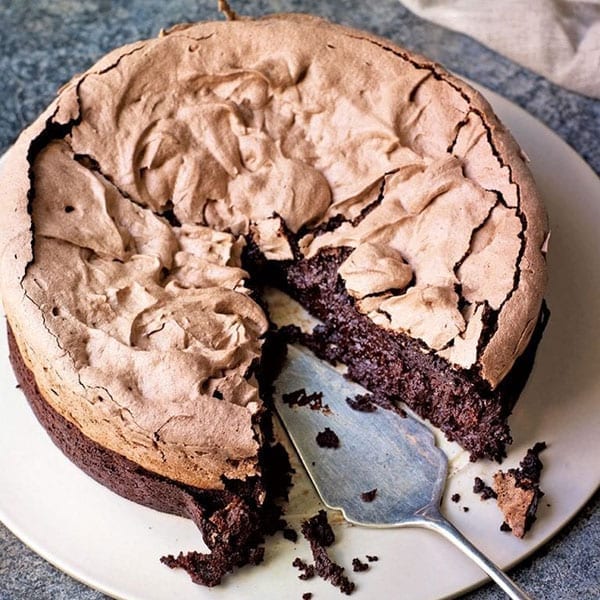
395 367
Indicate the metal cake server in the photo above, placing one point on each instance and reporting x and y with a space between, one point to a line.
379 449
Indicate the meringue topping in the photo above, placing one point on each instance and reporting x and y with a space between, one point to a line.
129 224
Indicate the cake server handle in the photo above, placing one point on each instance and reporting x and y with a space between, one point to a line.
430 518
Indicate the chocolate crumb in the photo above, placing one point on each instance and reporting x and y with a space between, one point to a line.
362 403
290 534
505 526
455 497
530 468
308 571
359 566
485 491
307 596
370 402
300 398
369 496
328 439
372 558
465 509
318 530
299 563
319 534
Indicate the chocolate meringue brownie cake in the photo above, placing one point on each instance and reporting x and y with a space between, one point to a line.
145 207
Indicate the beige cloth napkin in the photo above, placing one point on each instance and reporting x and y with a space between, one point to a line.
559 39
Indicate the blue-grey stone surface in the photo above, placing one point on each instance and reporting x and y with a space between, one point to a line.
44 42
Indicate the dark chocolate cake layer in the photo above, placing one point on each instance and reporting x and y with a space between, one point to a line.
396 366
232 521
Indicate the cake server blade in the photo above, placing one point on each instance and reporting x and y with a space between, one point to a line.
379 450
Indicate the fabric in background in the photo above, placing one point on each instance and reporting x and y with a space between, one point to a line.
560 39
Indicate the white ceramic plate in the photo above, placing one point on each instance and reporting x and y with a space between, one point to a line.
114 545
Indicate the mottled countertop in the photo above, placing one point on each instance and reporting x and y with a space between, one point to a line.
44 42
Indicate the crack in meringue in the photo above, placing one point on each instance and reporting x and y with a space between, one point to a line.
492 326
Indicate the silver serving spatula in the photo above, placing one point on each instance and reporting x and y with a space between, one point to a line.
379 449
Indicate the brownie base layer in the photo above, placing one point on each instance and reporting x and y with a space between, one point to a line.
232 521
394 365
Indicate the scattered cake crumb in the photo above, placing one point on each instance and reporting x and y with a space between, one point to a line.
319 534
484 490
372 558
358 565
531 466
290 534
362 403
455 497
465 509
308 571
307 596
369 496
328 439
370 403
300 398
519 492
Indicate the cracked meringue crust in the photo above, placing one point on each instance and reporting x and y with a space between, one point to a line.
128 203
